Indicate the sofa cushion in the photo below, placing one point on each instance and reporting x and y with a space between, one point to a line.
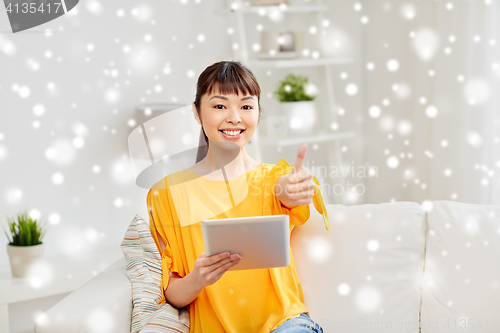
365 274
461 289
144 271
100 305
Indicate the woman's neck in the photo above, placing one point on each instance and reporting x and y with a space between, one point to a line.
233 166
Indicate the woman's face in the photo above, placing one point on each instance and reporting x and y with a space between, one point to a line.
228 118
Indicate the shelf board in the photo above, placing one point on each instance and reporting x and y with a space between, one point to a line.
299 62
283 8
320 137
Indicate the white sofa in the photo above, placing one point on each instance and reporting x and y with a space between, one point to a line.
382 267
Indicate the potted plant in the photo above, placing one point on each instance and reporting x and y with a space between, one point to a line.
25 245
296 95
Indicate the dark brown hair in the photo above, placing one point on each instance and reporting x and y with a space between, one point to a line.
228 77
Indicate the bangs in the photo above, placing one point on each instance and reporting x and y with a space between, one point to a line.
232 80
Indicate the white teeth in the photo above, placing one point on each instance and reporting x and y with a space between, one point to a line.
232 132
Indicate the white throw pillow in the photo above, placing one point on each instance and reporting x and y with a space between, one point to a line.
144 271
365 274
461 289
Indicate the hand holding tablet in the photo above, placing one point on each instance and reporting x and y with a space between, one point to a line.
208 270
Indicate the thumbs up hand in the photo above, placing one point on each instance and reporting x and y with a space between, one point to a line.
297 188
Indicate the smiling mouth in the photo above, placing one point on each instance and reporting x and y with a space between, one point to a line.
232 133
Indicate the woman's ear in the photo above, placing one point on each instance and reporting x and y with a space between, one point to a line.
195 113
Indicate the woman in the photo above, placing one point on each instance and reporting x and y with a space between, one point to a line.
227 106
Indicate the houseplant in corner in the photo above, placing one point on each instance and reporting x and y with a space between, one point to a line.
296 95
25 243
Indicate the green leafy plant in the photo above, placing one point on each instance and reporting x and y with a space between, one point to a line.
25 231
296 88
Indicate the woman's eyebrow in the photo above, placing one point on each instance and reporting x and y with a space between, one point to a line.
224 97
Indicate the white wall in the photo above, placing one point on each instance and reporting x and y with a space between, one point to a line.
90 82
83 94
463 168
96 84
344 21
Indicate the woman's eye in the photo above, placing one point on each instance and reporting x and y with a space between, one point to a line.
249 107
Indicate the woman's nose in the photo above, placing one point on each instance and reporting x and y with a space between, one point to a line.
233 116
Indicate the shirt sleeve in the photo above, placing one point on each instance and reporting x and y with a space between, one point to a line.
162 224
299 214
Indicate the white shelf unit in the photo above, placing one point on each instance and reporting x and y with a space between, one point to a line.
296 141
238 10
292 63
262 9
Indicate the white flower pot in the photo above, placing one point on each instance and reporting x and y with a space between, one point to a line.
22 257
301 116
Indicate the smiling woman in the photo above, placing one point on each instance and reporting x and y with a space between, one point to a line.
227 106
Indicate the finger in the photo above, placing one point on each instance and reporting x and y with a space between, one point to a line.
213 267
217 257
222 269
301 176
234 257
307 199
217 273
301 154
225 258
297 187
302 195
300 187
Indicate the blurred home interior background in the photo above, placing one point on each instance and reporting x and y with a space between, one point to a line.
406 89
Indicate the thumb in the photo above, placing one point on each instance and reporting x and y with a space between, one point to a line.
300 158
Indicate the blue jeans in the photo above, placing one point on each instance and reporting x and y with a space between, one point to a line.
302 324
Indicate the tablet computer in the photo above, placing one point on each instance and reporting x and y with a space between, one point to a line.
261 241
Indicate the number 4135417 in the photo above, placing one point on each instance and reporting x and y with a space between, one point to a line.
27 7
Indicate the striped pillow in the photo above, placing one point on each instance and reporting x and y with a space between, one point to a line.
144 271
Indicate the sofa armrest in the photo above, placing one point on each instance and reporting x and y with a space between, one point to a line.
103 304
